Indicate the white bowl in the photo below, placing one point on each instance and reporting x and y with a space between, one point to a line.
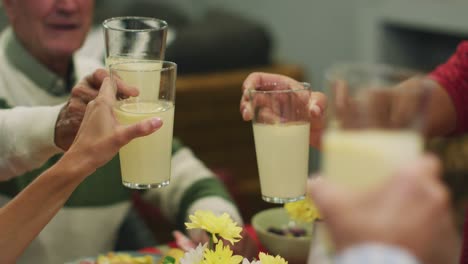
292 249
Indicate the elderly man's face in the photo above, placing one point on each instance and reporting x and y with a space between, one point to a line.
50 27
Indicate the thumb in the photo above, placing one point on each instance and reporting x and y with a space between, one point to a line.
140 129
107 91
326 196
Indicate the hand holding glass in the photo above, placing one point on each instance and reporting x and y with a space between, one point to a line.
146 162
374 123
281 126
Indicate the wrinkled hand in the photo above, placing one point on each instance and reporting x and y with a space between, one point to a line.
100 136
71 115
316 103
412 211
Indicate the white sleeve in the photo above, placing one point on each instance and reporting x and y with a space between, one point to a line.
26 138
373 253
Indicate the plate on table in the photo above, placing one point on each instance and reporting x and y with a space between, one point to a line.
132 254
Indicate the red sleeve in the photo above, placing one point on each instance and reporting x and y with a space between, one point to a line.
453 77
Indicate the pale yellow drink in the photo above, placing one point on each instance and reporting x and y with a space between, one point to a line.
145 75
282 158
363 159
146 162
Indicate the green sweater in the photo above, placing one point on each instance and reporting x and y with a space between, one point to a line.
88 223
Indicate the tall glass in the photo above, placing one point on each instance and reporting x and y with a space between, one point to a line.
375 124
281 126
142 38
146 162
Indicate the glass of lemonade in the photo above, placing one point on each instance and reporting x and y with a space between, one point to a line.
375 125
146 162
281 126
129 38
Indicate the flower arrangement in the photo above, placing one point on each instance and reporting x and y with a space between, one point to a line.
220 228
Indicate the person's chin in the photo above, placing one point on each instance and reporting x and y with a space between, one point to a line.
64 50
65 44
65 35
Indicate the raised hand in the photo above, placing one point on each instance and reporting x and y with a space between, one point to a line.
316 101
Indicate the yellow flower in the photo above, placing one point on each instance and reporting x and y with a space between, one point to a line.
267 259
221 255
303 210
221 225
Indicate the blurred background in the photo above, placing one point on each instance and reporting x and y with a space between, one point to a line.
218 43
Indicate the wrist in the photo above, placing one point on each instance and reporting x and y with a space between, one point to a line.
75 166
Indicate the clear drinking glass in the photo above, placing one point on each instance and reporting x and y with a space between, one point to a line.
142 38
375 124
146 162
281 126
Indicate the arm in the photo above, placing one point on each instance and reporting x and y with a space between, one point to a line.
451 98
31 135
97 141
447 110
441 117
26 135
23 218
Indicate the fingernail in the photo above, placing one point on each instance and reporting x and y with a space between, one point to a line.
313 107
155 122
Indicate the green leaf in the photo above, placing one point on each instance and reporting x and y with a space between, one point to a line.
169 260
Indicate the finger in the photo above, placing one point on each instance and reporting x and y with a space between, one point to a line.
266 109
246 106
432 165
420 179
316 130
107 92
427 167
341 102
95 80
257 79
84 92
267 116
198 236
182 241
327 197
140 129
123 90
317 104
247 114
75 106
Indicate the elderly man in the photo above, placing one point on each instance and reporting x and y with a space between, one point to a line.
38 69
